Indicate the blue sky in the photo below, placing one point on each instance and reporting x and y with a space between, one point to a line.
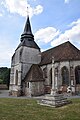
53 22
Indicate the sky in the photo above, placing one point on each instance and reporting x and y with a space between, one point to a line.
53 22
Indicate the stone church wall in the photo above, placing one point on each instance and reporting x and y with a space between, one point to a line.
48 68
22 60
47 77
37 88
34 89
29 56
59 66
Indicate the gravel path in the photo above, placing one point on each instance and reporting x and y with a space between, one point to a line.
5 94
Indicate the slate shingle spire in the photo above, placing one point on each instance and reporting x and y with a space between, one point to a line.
27 38
27 30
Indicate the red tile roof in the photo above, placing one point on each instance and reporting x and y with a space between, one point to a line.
63 52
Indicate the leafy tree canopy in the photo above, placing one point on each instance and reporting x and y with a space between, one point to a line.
4 75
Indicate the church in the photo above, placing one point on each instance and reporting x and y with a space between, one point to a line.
35 73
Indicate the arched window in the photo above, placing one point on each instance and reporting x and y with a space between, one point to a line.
16 78
77 74
65 76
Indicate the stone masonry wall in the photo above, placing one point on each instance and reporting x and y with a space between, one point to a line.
35 89
59 66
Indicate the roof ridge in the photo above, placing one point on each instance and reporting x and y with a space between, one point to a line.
59 46
64 52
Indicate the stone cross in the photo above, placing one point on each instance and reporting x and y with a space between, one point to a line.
27 10
53 80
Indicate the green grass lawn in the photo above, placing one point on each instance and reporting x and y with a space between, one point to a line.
28 109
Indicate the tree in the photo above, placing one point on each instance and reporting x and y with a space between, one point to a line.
5 76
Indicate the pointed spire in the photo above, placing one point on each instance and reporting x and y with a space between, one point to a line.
27 38
27 28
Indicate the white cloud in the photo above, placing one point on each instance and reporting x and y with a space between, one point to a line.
45 35
55 37
73 35
20 7
75 23
38 9
67 1
6 51
1 14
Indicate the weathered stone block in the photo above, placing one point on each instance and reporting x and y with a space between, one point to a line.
54 100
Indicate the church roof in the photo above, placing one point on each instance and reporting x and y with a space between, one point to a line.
27 38
63 52
35 74
28 43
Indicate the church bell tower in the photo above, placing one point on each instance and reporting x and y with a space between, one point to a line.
26 54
